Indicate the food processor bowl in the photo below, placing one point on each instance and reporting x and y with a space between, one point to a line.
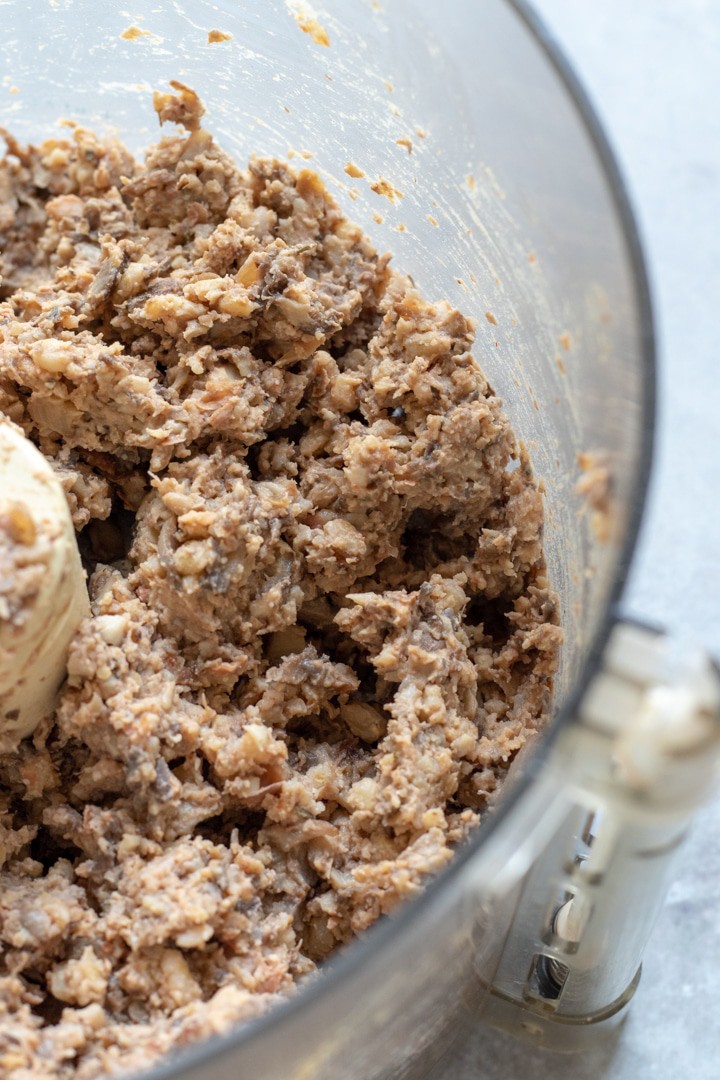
460 141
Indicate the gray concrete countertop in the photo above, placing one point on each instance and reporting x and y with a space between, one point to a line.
651 69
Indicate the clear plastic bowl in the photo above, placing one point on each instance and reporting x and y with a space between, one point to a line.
511 205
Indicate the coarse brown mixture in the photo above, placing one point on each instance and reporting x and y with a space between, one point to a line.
321 627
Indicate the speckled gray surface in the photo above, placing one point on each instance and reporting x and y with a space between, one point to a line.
651 68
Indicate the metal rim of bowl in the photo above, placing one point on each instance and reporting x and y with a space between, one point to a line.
379 937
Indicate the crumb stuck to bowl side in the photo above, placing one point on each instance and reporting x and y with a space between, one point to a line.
321 628
307 20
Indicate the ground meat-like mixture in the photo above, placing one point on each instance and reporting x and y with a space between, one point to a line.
320 629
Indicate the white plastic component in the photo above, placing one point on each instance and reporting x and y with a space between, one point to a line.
43 596
571 920
612 805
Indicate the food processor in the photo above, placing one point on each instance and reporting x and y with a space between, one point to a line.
459 140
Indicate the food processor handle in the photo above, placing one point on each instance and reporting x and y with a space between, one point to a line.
616 799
